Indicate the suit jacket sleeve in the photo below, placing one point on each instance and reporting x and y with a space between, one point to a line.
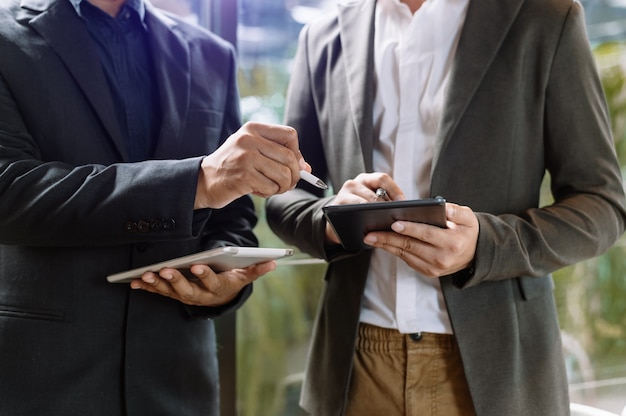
587 215
48 202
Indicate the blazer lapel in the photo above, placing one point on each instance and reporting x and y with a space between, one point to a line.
172 67
61 27
356 22
478 45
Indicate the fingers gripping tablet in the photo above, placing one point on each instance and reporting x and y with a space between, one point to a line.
352 222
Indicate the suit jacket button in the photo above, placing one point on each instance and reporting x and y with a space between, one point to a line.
143 226
155 225
130 226
168 225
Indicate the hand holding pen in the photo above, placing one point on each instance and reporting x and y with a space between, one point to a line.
366 187
260 159
369 187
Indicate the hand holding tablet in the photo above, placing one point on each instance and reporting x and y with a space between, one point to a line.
351 222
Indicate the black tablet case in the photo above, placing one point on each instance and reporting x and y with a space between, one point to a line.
352 222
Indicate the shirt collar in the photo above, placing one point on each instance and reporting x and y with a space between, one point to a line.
394 6
137 5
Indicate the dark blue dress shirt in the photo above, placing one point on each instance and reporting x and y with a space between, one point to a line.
124 50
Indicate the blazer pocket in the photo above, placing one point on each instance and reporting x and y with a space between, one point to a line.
30 313
534 287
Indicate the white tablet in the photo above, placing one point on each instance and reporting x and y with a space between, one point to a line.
219 259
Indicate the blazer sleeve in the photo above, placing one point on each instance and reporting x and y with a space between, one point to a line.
50 203
588 212
54 203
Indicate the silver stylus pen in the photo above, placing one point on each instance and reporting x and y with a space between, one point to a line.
312 179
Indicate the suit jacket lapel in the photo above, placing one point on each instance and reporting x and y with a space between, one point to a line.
357 37
172 69
478 45
61 27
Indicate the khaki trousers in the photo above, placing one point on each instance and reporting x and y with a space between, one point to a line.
412 375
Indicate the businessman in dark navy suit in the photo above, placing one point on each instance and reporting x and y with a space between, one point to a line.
111 116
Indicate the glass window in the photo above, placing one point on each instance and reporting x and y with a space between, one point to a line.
273 329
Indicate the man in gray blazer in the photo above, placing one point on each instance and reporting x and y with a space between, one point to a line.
522 98
108 110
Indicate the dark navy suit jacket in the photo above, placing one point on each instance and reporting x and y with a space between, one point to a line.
72 212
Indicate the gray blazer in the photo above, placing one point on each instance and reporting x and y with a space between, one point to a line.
523 98
72 212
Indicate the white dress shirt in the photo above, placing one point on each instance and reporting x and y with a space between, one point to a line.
413 54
